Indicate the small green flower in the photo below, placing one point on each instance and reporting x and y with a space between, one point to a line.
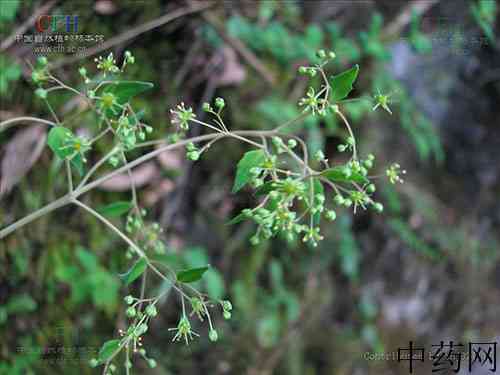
382 101
310 102
107 65
181 116
184 331
108 102
78 146
312 236
394 172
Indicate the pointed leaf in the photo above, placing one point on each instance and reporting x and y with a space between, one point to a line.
135 271
191 275
115 209
108 349
342 83
250 160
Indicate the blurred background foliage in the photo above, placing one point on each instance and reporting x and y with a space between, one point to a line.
427 270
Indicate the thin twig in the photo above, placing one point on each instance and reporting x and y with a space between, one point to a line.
4 125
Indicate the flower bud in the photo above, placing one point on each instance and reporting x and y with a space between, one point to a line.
321 54
330 215
206 107
41 93
131 312
213 336
219 103
129 300
151 311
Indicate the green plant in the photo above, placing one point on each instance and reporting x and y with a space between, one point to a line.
289 181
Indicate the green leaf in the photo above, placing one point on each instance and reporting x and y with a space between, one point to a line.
135 271
115 209
342 83
337 174
126 90
57 140
250 160
191 275
108 349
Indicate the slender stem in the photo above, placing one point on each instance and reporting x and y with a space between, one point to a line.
132 182
70 177
63 201
52 112
83 188
354 153
4 125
